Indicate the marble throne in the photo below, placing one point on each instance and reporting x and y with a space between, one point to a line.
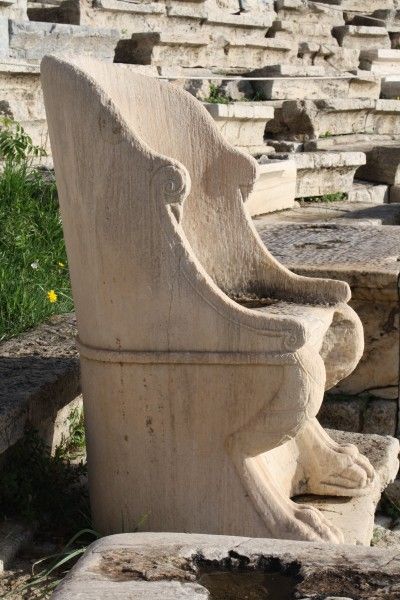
204 360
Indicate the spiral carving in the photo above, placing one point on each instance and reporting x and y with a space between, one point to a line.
172 182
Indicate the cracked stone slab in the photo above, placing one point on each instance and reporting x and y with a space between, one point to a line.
167 566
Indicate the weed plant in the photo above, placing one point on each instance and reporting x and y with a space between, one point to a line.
34 281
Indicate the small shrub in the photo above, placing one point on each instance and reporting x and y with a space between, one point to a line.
336 197
43 489
217 96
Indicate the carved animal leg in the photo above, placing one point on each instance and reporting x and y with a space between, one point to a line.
283 518
331 468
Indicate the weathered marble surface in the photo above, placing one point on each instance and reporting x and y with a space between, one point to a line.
164 567
211 338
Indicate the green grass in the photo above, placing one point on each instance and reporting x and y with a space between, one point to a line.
336 197
217 96
32 252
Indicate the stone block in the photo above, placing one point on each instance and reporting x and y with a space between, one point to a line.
320 173
394 196
362 6
319 33
382 165
275 187
390 18
381 417
307 119
331 56
31 41
381 61
13 9
365 191
390 86
255 53
242 123
301 11
13 536
21 98
163 49
342 414
292 82
362 37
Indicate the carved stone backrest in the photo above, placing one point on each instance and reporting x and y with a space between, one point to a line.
172 123
152 198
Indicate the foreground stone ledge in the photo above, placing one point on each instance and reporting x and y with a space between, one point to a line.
39 375
151 566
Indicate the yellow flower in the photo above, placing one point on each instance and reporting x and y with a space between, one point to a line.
61 264
52 296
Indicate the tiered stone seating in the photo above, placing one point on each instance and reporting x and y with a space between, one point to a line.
289 82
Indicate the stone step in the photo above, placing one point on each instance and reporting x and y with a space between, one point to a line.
311 82
30 41
312 119
173 16
362 142
200 50
303 11
314 32
242 123
382 61
365 192
163 49
323 173
389 18
40 381
362 6
332 57
382 160
362 37
275 188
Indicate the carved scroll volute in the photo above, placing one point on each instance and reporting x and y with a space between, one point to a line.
171 185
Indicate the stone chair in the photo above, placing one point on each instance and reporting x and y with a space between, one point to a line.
204 360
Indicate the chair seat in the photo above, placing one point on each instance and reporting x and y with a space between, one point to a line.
316 319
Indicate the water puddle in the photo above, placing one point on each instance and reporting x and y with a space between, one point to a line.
247 585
